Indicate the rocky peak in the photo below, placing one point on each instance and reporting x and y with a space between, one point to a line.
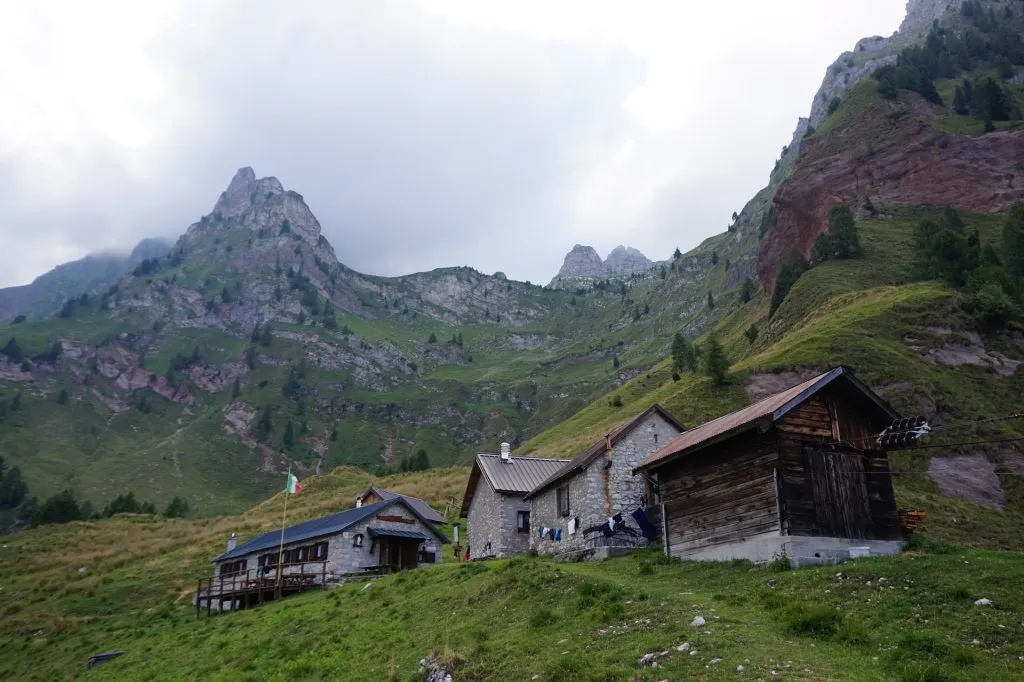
582 262
625 260
244 191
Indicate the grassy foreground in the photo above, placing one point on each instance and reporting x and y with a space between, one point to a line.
909 618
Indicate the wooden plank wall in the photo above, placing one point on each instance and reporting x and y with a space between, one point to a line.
722 494
823 419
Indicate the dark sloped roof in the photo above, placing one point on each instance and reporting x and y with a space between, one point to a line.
774 407
517 476
585 458
424 509
395 533
326 525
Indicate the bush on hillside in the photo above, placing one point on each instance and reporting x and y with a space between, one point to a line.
795 266
841 241
993 308
716 362
176 508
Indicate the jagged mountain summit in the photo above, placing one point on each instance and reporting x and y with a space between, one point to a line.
583 263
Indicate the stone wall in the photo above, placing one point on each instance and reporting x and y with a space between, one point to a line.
483 520
596 493
343 557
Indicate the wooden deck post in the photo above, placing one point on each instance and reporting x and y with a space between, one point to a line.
199 592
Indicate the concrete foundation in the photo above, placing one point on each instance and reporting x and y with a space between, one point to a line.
801 550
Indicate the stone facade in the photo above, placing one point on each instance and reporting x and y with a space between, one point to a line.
597 493
342 554
492 519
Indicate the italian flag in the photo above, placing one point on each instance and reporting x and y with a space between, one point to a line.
293 486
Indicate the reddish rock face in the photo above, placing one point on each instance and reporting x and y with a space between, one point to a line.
913 165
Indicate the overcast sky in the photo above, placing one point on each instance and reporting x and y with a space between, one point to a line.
422 134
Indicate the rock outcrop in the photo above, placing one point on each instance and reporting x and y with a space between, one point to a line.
583 263
625 260
921 13
919 166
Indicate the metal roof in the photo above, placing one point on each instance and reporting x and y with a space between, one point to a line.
773 407
424 509
517 476
393 533
326 525
585 458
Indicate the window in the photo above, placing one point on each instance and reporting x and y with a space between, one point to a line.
563 501
427 557
357 541
302 553
523 521
233 567
320 551
269 559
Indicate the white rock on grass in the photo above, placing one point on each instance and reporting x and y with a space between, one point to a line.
698 621
685 646
983 602
740 668
715 660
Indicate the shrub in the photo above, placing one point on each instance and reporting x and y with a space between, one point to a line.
813 621
542 617
992 306
791 271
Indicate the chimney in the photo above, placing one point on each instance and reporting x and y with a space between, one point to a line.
359 502
232 542
506 452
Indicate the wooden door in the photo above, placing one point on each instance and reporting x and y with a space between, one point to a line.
839 487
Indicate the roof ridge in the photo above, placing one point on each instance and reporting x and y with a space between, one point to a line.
541 459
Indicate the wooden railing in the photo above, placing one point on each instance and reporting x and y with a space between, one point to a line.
263 583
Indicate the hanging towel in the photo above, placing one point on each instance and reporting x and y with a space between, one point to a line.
645 526
572 526
558 535
611 524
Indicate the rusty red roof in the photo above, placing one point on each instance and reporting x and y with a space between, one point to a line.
773 407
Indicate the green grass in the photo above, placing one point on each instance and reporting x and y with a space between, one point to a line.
907 618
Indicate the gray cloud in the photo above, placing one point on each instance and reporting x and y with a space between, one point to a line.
418 142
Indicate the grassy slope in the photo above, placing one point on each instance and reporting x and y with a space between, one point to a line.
503 620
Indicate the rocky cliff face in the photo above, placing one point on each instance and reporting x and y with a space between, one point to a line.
921 13
583 263
870 54
919 166
625 260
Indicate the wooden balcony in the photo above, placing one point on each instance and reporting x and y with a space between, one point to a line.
256 585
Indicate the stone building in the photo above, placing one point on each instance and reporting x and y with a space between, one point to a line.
497 515
570 510
374 494
389 535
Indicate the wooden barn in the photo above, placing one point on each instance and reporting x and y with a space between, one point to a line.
798 473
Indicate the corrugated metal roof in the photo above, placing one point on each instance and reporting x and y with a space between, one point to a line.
773 407
327 525
584 459
393 533
424 509
518 474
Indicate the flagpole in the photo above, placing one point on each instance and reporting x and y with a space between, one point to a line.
280 547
